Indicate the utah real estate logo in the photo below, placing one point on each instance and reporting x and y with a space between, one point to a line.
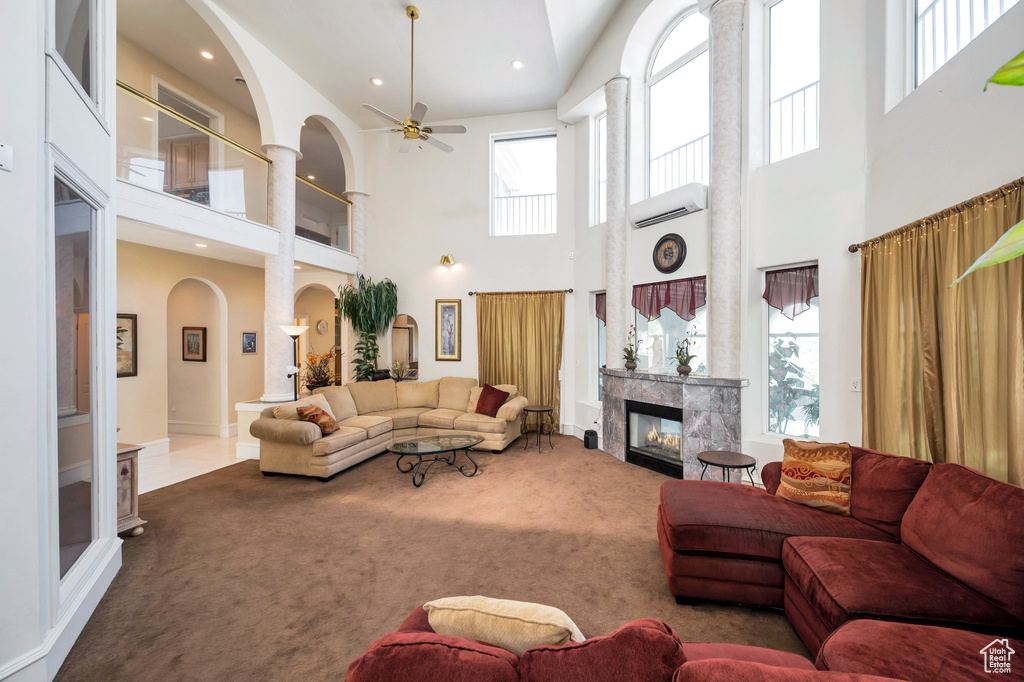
997 656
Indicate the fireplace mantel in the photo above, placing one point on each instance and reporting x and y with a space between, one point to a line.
709 406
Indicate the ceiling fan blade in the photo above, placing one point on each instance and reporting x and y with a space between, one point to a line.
419 112
387 117
381 130
437 143
406 144
444 129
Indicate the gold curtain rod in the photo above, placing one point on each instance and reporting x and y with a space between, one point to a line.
164 109
944 213
550 291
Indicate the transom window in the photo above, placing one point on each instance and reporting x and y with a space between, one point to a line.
944 27
523 185
679 107
793 78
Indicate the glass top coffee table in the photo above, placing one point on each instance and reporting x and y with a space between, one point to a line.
431 450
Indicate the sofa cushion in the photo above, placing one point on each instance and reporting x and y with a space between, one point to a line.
374 396
513 625
417 394
474 395
340 400
645 649
453 393
440 419
816 475
843 579
480 423
513 409
407 418
429 657
696 651
972 527
345 436
374 426
288 410
711 517
907 651
315 415
725 670
882 487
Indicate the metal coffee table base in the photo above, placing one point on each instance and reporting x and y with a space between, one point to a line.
419 472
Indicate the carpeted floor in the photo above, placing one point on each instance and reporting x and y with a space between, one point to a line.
244 577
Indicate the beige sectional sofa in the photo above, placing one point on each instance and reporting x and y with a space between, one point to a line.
373 415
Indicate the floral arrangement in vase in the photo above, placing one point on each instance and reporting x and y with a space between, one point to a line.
630 351
684 356
319 370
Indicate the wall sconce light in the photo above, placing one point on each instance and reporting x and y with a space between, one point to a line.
447 260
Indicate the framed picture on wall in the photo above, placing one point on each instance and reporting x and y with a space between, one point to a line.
193 344
127 345
448 329
248 343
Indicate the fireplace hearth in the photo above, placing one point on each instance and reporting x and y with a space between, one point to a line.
654 437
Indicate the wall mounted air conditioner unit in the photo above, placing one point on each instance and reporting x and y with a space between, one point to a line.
671 204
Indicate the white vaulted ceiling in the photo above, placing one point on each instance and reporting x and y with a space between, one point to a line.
463 50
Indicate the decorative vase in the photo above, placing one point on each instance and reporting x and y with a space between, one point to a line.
313 387
684 370
630 365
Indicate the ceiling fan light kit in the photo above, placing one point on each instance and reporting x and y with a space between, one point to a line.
412 128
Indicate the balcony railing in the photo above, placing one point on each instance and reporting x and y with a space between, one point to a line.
944 27
794 123
686 163
524 214
321 215
161 149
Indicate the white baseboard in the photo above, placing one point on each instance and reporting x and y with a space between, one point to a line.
154 448
75 473
202 428
247 450
229 430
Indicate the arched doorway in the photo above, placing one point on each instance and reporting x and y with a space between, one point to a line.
321 212
315 308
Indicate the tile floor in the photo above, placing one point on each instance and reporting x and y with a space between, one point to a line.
189 456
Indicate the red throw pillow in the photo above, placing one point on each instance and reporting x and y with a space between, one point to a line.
491 400
429 657
315 415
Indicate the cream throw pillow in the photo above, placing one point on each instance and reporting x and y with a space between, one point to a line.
512 625
288 410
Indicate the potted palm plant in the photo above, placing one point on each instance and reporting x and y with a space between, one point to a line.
370 307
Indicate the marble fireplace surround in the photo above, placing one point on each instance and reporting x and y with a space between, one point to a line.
710 411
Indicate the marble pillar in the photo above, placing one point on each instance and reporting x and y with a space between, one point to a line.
357 229
279 277
725 273
616 255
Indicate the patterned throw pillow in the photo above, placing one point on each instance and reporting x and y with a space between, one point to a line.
315 415
816 475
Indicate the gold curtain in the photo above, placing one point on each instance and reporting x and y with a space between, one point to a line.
943 368
519 339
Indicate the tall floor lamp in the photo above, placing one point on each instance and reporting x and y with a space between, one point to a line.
295 332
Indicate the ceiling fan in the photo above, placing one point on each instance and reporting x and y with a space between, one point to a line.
412 128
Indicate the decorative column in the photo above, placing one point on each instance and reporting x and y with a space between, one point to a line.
279 277
616 251
357 229
725 273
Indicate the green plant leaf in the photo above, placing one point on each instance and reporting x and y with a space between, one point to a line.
1008 247
1010 73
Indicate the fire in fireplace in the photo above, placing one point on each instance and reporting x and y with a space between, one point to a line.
654 437
666 444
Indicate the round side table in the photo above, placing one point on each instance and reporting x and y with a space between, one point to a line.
727 461
541 411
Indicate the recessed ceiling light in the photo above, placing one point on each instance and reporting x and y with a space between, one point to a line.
303 124
201 246
311 177
377 81
205 54
239 80
298 267
517 64
147 118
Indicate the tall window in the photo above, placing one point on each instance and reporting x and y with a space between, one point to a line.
523 185
602 343
656 340
944 27
73 38
793 351
73 288
601 169
679 107
793 80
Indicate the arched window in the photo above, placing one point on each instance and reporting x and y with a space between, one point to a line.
679 106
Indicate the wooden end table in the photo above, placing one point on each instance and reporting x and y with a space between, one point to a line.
727 461
540 411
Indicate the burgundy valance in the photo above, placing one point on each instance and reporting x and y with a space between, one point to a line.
683 296
600 305
792 289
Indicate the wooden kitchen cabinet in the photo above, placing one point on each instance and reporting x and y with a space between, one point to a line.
187 162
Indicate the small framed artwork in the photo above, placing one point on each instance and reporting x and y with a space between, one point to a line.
248 343
193 344
127 345
448 329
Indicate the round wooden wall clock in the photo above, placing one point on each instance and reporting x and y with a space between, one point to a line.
669 253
